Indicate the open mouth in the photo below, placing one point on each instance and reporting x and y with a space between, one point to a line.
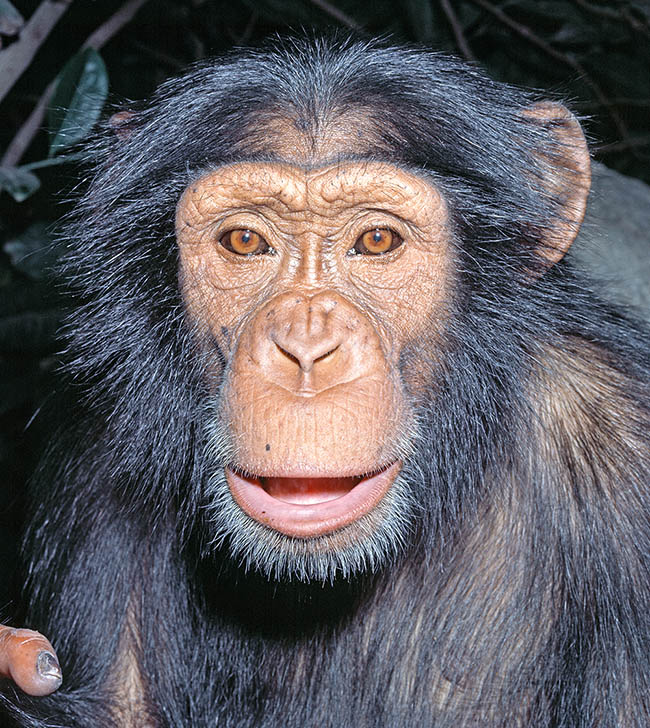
308 507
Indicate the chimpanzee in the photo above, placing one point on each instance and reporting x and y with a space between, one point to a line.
355 445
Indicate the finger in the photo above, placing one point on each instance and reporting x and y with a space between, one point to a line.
28 659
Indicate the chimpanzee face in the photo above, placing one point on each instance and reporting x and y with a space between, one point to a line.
311 282
320 284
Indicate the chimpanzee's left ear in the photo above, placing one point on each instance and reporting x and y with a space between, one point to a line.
567 176
122 123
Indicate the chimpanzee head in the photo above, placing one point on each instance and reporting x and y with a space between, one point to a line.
309 271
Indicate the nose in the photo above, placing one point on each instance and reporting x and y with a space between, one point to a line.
306 332
308 343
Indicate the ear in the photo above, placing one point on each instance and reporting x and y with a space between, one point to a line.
566 176
121 124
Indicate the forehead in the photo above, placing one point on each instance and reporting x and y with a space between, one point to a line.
285 187
311 139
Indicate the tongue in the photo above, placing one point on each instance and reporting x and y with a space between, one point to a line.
306 491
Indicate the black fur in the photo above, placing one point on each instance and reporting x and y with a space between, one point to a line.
521 597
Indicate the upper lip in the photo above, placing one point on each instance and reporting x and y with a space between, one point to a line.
308 391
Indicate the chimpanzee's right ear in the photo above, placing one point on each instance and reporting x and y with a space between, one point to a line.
565 175
122 124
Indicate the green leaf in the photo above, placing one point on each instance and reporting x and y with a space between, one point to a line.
421 19
31 331
18 296
81 91
11 21
20 183
293 12
16 391
34 252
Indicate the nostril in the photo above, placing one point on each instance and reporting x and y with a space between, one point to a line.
324 356
288 355
305 358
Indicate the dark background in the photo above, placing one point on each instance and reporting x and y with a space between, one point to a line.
594 54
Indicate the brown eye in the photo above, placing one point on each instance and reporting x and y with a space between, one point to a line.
244 242
377 242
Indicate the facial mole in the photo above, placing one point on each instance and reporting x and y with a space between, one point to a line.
268 447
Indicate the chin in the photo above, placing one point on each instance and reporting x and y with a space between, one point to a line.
319 536
305 521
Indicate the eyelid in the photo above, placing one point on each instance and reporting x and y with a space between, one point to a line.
377 218
244 219
387 240
262 248
398 228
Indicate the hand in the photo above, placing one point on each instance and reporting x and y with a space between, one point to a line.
28 659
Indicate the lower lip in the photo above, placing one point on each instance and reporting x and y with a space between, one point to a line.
324 514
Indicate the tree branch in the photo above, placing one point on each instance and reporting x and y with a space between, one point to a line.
15 59
96 40
336 14
622 15
616 101
457 29
624 145
113 25
531 37
248 30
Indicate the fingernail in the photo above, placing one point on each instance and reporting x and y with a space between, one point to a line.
48 666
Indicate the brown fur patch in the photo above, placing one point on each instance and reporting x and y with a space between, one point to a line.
129 704
589 420
315 142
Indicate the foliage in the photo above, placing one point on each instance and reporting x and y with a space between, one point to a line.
81 91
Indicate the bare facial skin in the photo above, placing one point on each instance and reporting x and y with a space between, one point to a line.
311 282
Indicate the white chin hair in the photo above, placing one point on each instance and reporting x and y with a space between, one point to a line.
364 546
